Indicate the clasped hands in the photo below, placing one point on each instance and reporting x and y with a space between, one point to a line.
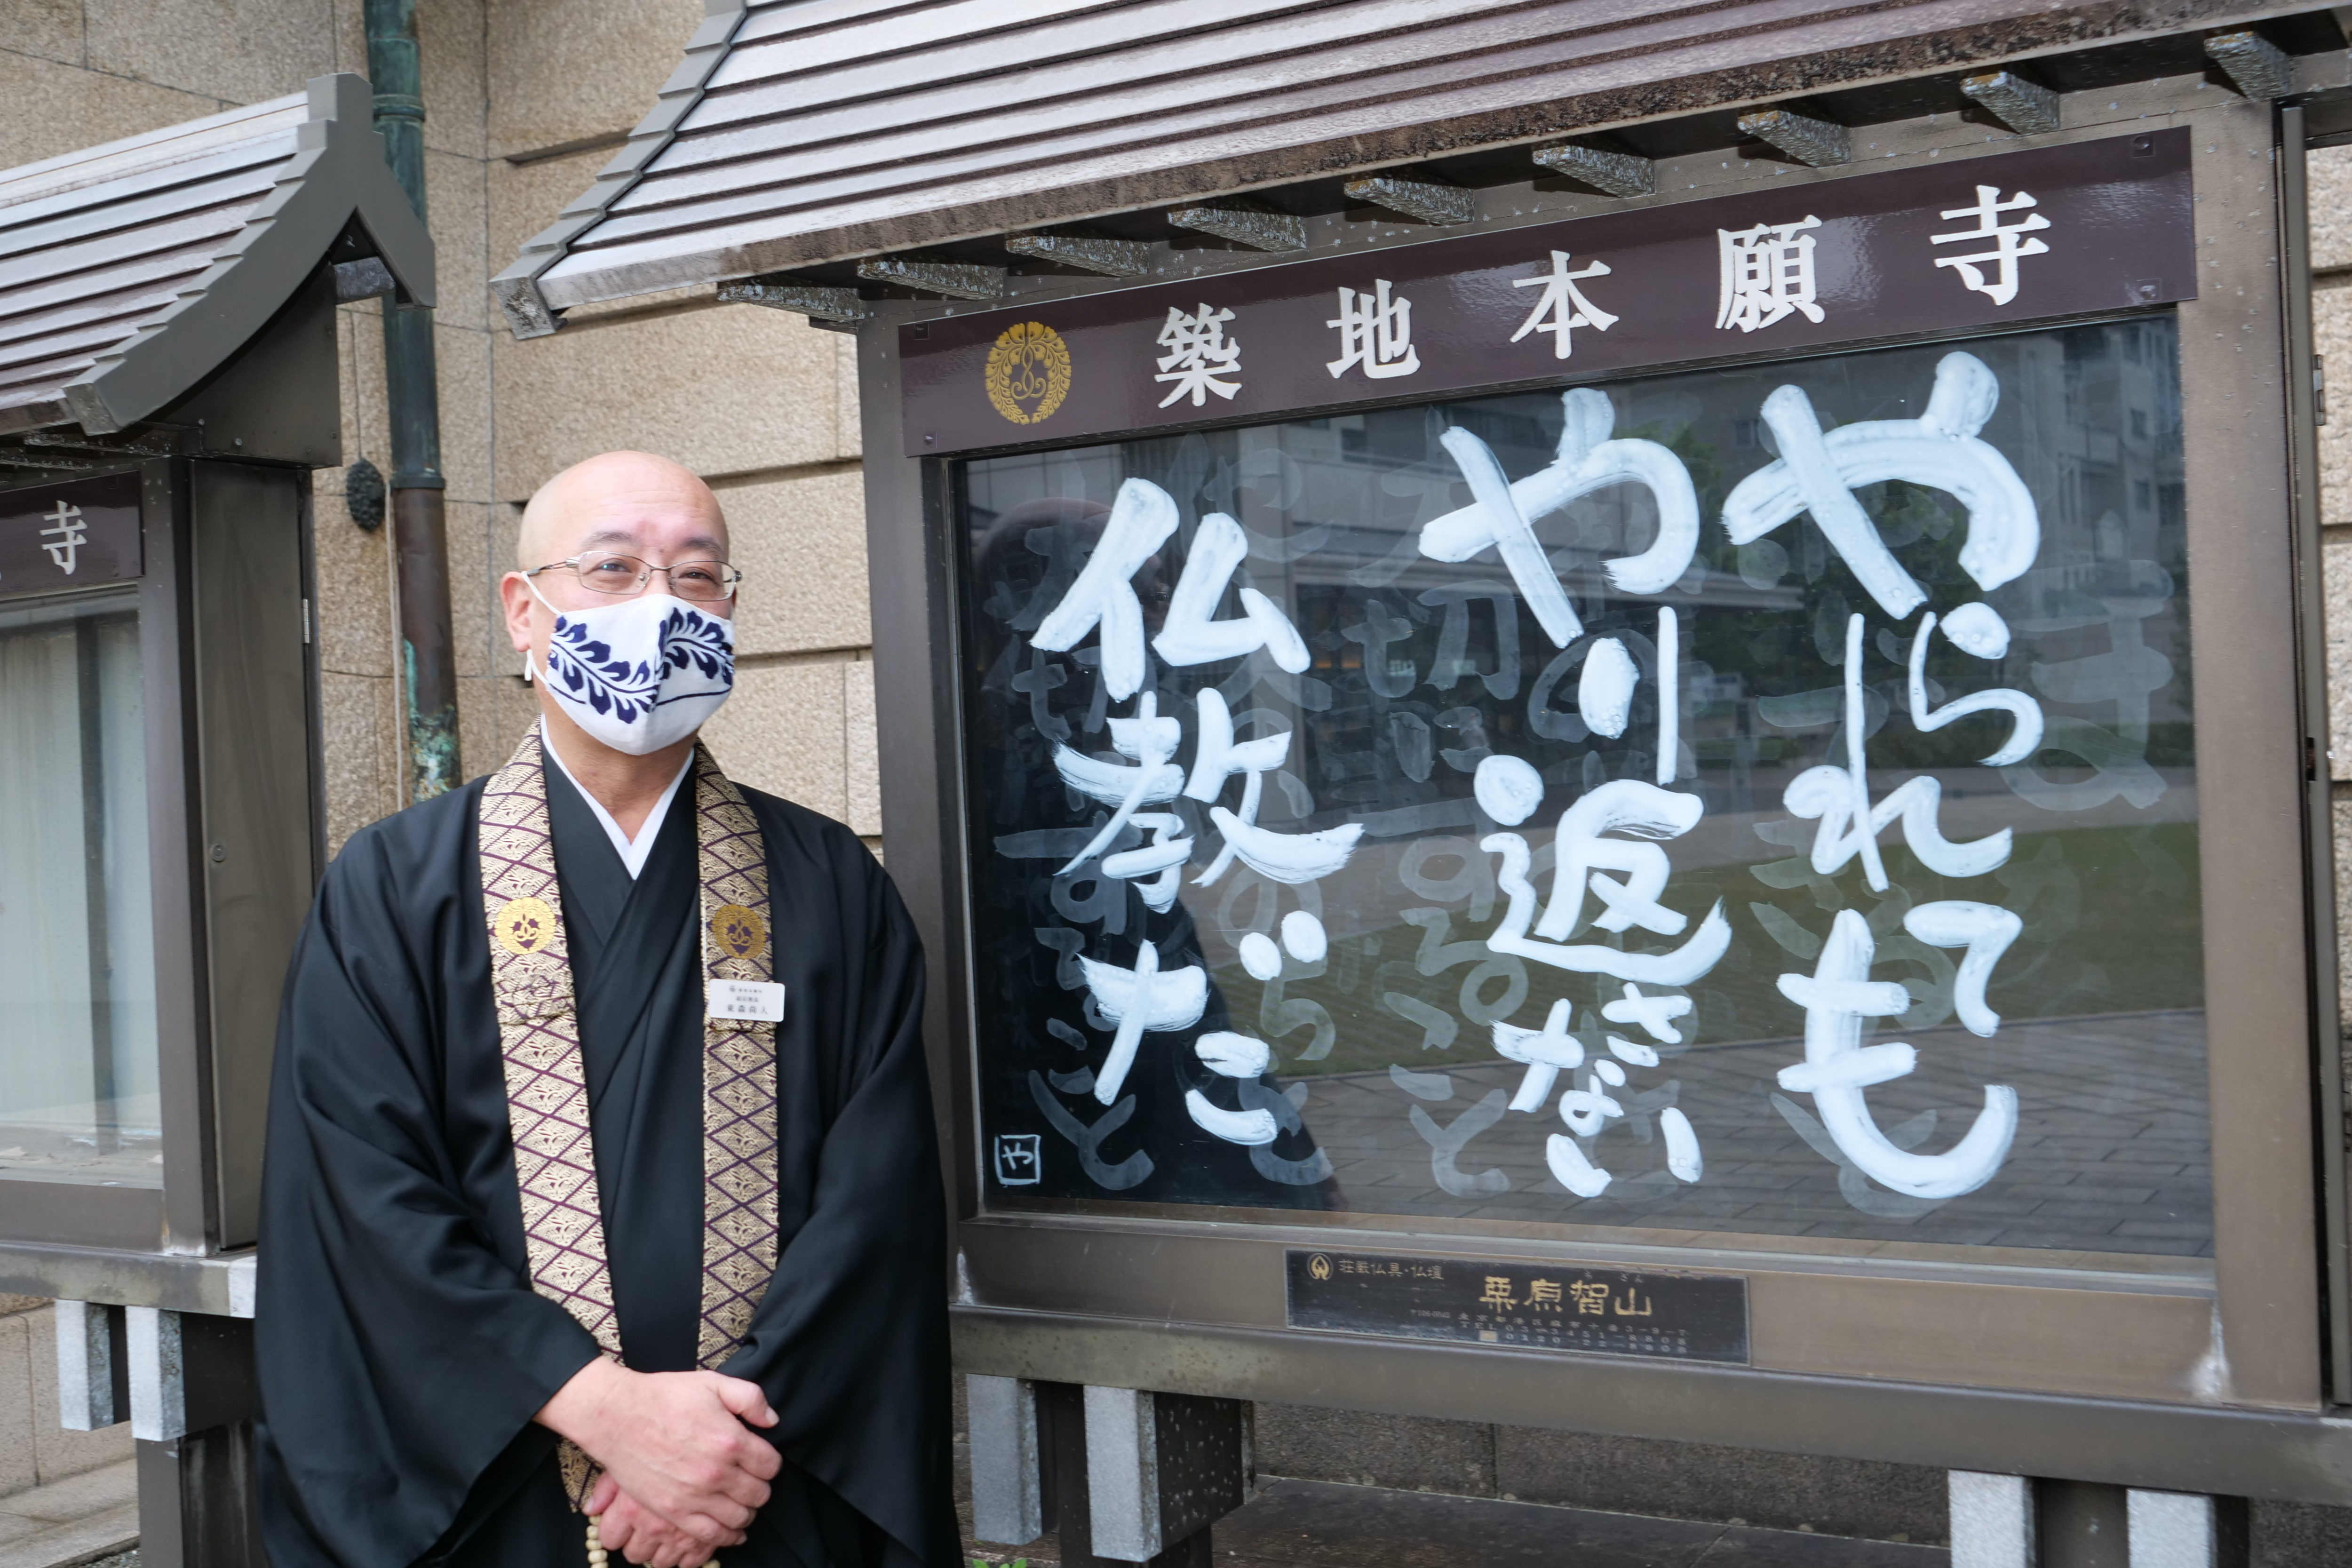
684 1472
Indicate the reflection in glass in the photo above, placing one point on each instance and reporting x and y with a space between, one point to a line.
2001 983
78 1087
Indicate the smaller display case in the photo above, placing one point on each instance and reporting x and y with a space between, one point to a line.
161 822
158 843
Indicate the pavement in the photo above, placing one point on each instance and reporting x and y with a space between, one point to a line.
1323 1524
81 1520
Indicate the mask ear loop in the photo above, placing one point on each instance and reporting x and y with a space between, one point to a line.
530 659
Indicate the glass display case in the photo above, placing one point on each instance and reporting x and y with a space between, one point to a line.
157 727
1694 819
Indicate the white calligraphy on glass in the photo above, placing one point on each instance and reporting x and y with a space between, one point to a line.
1141 519
1503 513
1768 275
1838 1066
1817 473
1151 740
2007 247
1562 307
1141 998
1191 636
1149 850
1590 1101
1838 798
1287 857
1199 356
1376 332
1614 827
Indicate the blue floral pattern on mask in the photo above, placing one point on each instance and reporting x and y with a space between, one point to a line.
583 667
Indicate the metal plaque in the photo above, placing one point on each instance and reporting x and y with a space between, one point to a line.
1789 268
72 534
1539 1306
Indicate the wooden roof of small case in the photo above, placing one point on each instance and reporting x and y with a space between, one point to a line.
129 272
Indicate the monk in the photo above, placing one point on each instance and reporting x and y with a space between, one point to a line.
601 1214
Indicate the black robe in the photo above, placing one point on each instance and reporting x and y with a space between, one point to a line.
402 1351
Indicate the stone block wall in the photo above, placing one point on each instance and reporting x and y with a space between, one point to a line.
34 1449
2331 300
525 100
1620 1475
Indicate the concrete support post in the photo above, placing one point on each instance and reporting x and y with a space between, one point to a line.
1123 1473
159 1395
2016 1521
1136 1477
2183 1529
1992 1520
91 1394
191 1410
1007 1468
196 1501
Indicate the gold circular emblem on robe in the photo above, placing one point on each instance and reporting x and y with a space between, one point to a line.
1028 372
524 926
741 932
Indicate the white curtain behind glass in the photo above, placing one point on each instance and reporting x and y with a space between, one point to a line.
78 1073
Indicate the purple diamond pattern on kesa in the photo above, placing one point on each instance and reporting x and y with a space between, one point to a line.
547 1090
739 1070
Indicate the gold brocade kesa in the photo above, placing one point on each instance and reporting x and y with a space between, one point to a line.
547 1086
1028 373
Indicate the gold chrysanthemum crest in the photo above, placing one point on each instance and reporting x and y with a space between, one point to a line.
1028 373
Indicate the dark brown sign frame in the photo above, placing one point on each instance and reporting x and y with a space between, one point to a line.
1816 265
77 534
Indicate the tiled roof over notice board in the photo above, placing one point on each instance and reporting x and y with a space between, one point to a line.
800 133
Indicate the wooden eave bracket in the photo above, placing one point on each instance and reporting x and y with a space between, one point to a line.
1425 201
956 279
1818 142
2026 106
1093 253
1611 174
1260 228
2255 66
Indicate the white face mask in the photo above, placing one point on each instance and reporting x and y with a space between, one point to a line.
640 674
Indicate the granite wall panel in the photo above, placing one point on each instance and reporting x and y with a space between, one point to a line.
557 81
722 389
801 543
782 732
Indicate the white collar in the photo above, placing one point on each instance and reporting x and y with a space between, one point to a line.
633 853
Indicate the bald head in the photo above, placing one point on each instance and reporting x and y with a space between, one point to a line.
633 502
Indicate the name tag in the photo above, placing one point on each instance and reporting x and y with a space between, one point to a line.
757 999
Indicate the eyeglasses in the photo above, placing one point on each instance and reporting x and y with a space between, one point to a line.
623 575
